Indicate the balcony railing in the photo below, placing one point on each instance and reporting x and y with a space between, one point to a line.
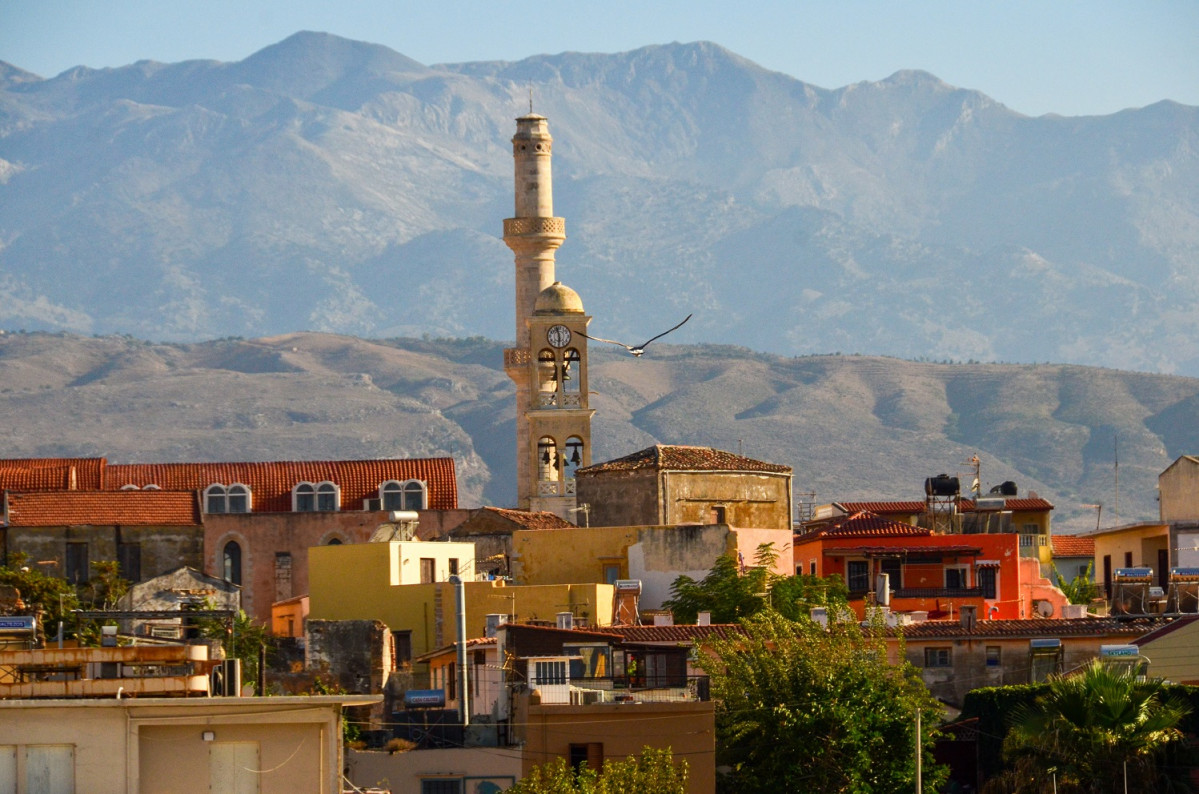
556 488
938 592
639 689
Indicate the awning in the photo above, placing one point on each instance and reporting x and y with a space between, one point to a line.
986 563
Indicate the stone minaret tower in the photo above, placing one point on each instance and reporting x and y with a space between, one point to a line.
549 362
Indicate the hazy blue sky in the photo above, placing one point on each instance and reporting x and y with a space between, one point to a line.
1039 56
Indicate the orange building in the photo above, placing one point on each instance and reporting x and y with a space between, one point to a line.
927 572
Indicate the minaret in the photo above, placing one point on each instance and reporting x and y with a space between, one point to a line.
549 362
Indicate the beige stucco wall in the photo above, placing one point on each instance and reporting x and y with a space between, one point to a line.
1172 656
157 745
620 499
688 728
1142 540
403 771
1178 491
356 583
749 499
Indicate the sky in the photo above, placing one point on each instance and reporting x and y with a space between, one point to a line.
1071 57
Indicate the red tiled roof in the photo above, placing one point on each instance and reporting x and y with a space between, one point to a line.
47 479
1031 628
663 457
87 474
882 508
907 551
865 525
271 482
1073 546
542 519
684 633
1025 505
104 508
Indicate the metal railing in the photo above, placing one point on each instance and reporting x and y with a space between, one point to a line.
640 689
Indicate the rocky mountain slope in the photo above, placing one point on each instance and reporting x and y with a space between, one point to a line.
852 427
338 186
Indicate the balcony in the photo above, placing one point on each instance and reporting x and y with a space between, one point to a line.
629 689
555 488
937 592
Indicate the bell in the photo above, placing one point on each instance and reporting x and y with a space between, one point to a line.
576 458
545 456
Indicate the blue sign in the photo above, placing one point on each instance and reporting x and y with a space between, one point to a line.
18 623
425 698
1119 651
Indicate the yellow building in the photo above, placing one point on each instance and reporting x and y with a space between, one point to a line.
1132 546
117 745
1170 651
654 555
362 582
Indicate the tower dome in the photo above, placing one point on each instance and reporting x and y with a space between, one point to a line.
558 298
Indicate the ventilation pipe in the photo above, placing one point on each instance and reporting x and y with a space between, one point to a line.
463 681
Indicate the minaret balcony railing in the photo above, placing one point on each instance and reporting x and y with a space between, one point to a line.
572 401
553 399
547 399
519 226
517 357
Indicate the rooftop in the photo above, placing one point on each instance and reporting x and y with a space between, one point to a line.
663 457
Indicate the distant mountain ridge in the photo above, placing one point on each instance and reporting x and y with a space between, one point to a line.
334 185
851 427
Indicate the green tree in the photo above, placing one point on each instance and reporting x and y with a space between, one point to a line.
655 770
1082 589
1090 729
730 594
49 598
106 585
244 641
804 708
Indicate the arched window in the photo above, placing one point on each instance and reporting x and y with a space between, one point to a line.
409 495
547 370
573 456
334 542
239 498
570 371
214 499
231 560
303 497
547 459
151 487
129 487
327 497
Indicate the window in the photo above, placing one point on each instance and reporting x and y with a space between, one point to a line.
402 647
716 514
992 656
611 572
427 570
938 657
239 499
129 561
591 753
893 570
811 567
957 577
231 562
1128 559
334 541
442 785
988 581
549 672
303 498
327 497
77 571
857 572
453 566
214 499
395 495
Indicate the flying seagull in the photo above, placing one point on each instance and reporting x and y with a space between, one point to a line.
636 350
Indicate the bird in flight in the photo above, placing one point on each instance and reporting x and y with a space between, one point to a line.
636 350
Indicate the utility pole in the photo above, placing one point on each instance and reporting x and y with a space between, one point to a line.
919 757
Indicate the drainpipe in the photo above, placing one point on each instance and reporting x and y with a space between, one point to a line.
463 694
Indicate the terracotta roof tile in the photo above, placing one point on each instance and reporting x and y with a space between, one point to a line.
865 525
1031 628
57 478
271 482
662 457
882 508
542 519
683 633
104 508
1073 546
88 473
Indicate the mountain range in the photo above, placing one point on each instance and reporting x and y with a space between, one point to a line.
337 186
851 427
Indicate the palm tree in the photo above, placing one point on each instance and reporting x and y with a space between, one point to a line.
1089 731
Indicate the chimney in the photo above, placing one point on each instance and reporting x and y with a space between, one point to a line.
969 616
703 619
566 620
664 620
494 621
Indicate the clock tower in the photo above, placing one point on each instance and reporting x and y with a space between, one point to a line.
549 362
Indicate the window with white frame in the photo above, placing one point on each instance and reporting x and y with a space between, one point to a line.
307 497
938 657
221 498
407 495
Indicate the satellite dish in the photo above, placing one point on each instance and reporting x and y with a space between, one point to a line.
1044 608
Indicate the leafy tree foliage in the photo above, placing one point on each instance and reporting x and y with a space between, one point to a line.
804 708
106 585
653 771
1081 589
244 641
50 598
1087 730
730 594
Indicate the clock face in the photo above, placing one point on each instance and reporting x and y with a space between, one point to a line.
558 335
